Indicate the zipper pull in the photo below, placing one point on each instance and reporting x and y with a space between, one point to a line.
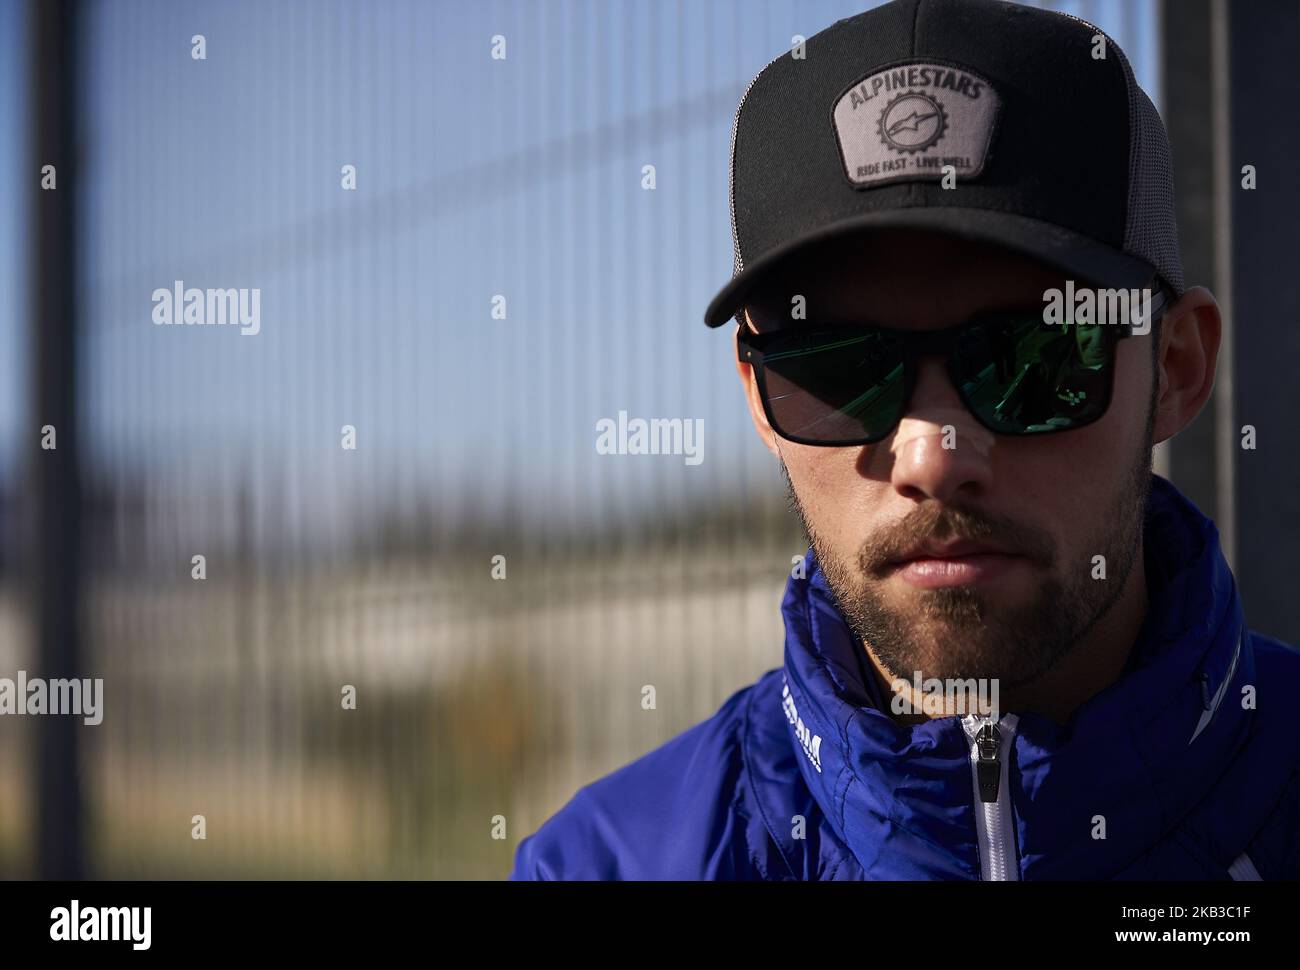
989 767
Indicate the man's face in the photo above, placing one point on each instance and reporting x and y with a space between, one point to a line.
1045 505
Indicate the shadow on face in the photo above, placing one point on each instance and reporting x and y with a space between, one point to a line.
903 279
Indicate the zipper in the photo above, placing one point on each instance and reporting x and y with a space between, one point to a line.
990 742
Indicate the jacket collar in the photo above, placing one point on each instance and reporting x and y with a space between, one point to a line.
1131 761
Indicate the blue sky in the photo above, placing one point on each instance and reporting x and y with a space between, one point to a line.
475 177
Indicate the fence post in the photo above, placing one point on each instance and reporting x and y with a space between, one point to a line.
53 480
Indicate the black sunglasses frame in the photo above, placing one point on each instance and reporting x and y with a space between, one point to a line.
928 343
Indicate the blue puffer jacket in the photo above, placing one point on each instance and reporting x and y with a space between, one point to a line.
1172 772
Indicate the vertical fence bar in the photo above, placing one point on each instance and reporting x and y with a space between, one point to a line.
1194 131
54 474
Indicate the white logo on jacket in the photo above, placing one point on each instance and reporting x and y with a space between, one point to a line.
812 743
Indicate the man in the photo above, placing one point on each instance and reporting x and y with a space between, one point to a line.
1012 651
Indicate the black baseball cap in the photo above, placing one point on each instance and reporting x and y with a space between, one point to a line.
990 121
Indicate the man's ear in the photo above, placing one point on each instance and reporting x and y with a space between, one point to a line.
1189 354
750 383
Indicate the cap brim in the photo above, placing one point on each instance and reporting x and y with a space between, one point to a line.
1062 249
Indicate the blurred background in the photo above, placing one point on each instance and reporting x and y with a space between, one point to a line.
482 184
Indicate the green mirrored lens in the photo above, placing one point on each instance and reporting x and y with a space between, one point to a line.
835 386
1023 376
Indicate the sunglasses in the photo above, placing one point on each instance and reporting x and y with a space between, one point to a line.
1018 375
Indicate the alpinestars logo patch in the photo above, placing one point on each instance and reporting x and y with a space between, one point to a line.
912 121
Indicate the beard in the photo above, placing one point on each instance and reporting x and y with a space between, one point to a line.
956 632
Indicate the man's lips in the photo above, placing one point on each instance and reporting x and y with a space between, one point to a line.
931 565
955 549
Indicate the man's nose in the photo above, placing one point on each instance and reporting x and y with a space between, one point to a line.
940 450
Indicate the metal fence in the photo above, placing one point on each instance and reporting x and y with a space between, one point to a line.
324 567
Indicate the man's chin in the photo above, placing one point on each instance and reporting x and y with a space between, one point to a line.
963 610
960 632
980 662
